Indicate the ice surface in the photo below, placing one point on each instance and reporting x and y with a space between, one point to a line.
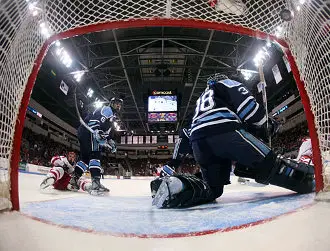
306 229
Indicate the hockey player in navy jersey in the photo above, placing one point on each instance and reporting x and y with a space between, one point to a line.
91 144
218 136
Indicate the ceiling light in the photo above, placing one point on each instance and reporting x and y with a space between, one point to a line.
90 92
78 75
246 74
98 104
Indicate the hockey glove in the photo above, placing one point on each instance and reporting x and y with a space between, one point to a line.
112 145
100 137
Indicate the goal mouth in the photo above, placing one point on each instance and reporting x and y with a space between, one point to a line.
24 46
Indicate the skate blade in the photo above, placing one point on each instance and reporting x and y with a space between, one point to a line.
72 188
46 183
161 195
98 193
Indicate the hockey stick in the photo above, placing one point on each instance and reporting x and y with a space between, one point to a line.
83 122
264 99
78 113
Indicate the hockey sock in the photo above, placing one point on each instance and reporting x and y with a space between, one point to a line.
56 172
85 184
95 167
80 168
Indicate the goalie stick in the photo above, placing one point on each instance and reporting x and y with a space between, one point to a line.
264 99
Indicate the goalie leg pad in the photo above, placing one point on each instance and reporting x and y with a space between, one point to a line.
289 174
154 186
195 191
244 171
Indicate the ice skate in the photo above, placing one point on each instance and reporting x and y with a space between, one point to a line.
48 181
169 187
97 188
242 181
74 185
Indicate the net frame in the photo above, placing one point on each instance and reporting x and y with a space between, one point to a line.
161 18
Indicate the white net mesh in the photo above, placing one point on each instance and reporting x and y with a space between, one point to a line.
21 38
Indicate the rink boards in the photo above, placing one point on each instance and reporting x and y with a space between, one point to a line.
127 210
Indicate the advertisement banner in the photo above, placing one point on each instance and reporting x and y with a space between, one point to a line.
37 169
277 74
22 166
64 87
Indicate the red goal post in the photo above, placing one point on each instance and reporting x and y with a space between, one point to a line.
24 42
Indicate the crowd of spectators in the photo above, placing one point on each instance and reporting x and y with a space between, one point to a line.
38 149
290 140
145 167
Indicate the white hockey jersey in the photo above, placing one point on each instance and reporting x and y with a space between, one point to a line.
62 161
305 153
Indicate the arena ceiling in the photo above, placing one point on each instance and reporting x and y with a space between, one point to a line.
129 63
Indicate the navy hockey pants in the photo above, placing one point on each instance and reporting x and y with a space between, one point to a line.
89 148
215 153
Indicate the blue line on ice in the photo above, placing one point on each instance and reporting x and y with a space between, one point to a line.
134 215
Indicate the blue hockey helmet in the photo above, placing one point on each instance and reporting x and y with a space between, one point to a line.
212 79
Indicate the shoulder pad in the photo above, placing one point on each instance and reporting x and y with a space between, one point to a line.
230 83
107 112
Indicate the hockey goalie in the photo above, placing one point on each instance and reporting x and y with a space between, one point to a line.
217 137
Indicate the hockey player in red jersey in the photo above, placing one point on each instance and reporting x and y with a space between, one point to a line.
60 174
305 153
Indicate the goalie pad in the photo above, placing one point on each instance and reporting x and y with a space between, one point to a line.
194 191
287 173
154 186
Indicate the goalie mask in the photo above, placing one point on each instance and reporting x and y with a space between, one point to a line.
116 104
214 78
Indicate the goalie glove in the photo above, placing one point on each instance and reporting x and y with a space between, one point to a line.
273 127
262 132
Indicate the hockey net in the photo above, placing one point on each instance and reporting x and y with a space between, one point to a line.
28 28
